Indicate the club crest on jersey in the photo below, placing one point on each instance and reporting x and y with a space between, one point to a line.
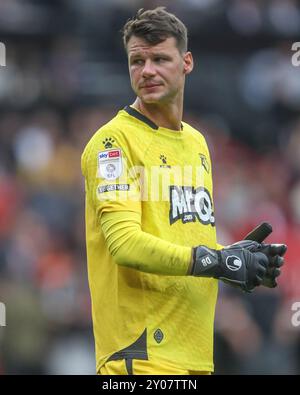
190 204
110 164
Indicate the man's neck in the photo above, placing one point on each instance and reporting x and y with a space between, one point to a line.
166 116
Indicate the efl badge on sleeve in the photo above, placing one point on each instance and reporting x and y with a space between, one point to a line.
110 164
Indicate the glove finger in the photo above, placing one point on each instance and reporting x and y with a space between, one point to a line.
273 272
259 275
276 261
277 249
269 282
261 271
262 259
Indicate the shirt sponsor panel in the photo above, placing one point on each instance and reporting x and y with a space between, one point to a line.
190 204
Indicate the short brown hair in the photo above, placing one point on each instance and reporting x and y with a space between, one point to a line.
155 26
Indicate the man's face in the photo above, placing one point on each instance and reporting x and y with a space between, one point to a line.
157 72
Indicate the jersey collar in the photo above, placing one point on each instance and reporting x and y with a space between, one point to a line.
136 114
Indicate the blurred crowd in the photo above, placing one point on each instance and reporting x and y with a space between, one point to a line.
65 76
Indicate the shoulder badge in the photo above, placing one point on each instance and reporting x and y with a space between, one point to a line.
110 164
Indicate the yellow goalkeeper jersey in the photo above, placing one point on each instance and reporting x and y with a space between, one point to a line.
130 164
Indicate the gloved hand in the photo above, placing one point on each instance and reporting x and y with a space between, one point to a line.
234 264
274 253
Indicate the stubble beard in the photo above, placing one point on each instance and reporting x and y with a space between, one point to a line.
161 98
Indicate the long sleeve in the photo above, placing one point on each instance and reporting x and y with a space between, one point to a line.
132 247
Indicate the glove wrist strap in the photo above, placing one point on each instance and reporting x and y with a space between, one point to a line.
205 262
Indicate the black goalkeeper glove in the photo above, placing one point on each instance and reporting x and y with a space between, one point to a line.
233 264
274 254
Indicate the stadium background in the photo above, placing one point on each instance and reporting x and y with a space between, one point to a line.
65 75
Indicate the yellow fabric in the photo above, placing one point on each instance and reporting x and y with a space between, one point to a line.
127 243
144 367
126 301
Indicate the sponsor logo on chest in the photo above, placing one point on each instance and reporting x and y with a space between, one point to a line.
191 204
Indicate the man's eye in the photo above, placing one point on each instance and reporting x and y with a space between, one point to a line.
161 59
137 61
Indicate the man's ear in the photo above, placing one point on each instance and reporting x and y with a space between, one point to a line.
188 62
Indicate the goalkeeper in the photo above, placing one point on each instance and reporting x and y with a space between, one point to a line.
153 258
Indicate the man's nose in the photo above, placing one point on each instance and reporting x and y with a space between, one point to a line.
148 69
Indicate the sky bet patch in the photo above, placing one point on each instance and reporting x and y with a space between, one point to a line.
110 164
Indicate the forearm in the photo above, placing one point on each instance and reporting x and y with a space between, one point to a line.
131 247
